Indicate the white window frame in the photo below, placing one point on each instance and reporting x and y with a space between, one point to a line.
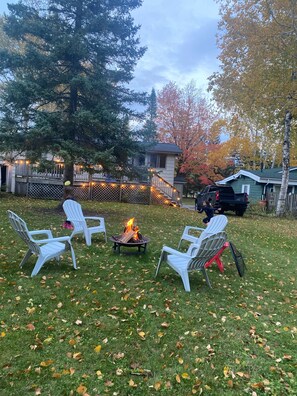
245 188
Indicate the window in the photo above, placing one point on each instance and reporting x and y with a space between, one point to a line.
245 188
158 161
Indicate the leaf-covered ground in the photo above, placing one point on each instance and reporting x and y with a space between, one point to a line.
111 328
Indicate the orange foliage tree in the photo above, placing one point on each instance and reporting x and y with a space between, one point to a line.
186 118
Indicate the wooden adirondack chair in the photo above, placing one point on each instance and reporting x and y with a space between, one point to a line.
45 249
75 214
216 224
195 259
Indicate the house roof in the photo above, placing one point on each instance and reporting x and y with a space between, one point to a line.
166 148
272 176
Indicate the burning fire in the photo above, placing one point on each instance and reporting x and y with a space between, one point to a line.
129 227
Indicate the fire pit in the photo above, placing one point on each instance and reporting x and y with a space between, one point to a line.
131 237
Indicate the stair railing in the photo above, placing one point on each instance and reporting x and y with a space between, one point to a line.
166 188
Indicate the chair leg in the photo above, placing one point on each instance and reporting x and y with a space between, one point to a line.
161 259
203 270
38 265
73 257
26 257
186 281
88 239
179 243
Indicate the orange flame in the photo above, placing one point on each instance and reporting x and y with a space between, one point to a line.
129 226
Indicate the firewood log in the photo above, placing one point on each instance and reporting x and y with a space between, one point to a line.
126 236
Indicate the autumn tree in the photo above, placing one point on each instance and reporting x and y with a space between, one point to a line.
257 39
67 92
184 117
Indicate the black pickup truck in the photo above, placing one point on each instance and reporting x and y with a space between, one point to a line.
224 198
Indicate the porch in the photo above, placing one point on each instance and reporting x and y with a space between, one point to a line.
28 181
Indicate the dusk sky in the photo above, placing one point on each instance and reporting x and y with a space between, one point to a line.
180 37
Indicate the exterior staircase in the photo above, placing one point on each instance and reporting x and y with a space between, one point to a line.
163 192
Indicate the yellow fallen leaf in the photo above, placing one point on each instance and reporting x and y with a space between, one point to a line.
97 349
185 376
141 335
226 371
177 378
132 384
3 334
46 363
258 385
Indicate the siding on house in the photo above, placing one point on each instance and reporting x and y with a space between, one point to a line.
256 189
168 172
261 182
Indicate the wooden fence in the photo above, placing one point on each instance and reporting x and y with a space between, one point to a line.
291 202
97 191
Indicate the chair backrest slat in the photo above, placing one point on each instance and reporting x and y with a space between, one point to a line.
74 212
208 248
21 229
216 224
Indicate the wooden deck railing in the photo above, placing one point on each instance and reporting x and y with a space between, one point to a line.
166 188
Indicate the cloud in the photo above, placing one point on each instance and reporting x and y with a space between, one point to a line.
180 37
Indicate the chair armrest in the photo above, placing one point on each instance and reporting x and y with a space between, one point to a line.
188 228
169 250
94 218
42 232
58 239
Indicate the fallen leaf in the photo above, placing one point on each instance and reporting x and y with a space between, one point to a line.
46 363
81 389
157 385
185 376
141 335
30 327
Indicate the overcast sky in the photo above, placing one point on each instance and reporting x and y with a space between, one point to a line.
180 37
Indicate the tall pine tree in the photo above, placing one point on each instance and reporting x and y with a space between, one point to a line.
66 91
149 130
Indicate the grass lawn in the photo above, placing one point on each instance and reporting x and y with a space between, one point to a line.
111 328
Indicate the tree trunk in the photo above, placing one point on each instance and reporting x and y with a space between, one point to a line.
68 177
281 203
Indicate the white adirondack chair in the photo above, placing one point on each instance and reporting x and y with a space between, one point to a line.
75 214
45 249
194 259
216 224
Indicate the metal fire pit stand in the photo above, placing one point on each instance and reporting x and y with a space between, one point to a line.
117 244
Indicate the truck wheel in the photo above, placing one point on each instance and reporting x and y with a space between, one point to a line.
239 213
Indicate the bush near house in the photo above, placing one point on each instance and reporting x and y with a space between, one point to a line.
111 328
